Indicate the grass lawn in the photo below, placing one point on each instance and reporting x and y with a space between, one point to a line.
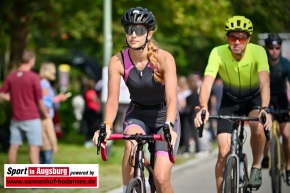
72 151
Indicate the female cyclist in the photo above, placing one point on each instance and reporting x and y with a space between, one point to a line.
150 75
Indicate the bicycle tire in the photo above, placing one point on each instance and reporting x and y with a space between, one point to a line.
134 186
245 177
230 176
274 170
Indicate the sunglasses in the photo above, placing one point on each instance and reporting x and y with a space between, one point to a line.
274 47
233 39
139 30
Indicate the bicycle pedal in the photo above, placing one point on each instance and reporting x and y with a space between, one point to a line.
253 188
248 190
241 184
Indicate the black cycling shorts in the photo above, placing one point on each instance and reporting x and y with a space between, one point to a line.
151 122
230 107
280 101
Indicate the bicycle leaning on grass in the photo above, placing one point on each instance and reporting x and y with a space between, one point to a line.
137 183
236 175
277 162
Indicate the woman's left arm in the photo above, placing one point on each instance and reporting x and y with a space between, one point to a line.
168 68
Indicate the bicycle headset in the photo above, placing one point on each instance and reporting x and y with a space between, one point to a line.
273 39
139 16
239 23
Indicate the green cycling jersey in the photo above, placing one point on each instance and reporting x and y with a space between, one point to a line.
240 78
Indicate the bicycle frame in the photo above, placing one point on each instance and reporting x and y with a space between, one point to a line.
280 152
277 161
236 151
139 167
140 160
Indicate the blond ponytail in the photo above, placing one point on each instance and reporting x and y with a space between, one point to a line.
152 56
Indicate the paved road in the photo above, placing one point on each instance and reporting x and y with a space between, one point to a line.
198 176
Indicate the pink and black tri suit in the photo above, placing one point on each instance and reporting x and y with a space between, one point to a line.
147 108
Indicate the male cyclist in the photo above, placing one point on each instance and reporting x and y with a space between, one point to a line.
279 75
245 73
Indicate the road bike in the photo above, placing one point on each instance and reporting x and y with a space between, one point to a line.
236 176
137 183
277 163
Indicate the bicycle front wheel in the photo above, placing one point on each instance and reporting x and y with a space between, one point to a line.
274 169
134 186
244 177
230 176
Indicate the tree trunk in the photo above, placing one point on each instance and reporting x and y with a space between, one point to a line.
18 42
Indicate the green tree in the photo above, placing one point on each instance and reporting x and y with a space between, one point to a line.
189 29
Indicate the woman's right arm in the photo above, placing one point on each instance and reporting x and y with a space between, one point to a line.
115 71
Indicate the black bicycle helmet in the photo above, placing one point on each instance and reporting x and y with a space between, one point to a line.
273 39
139 15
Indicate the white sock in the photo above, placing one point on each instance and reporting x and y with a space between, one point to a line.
124 188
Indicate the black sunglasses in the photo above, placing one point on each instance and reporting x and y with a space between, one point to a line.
274 47
139 30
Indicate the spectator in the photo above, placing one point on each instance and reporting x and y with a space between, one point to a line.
182 93
93 113
56 105
215 102
22 88
47 74
78 104
189 132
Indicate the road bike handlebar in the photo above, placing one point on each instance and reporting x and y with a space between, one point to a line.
278 111
267 132
137 137
233 118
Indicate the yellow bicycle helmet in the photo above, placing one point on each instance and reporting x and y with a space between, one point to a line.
239 23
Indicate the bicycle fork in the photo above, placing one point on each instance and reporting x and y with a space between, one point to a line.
233 155
139 167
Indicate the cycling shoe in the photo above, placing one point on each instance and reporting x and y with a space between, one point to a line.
255 179
265 162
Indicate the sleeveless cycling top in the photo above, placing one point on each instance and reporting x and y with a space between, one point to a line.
240 78
143 89
278 76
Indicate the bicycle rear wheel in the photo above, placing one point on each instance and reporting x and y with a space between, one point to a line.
134 186
230 176
274 169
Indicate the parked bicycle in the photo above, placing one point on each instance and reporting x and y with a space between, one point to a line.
137 183
277 162
236 176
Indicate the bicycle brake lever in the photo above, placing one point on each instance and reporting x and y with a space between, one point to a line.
200 129
167 137
267 132
101 137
